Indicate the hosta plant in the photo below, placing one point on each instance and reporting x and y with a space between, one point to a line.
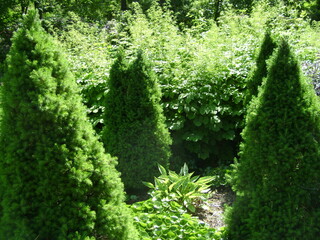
183 188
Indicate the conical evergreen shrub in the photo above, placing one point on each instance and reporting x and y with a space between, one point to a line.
277 179
56 180
135 130
260 70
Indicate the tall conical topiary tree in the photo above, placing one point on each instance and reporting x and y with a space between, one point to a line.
135 130
260 70
57 181
278 177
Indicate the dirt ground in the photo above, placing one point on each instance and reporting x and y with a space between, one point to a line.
211 211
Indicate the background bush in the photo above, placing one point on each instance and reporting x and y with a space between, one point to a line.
135 129
207 67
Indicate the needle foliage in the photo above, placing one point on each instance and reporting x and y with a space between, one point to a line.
56 180
135 129
277 177
260 70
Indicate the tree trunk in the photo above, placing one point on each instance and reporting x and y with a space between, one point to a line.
24 6
217 10
124 5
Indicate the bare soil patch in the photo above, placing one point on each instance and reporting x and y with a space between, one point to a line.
212 210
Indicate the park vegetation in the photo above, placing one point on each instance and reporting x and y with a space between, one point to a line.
135 129
56 180
277 177
96 98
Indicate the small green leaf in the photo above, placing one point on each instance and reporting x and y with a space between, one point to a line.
148 184
191 208
184 170
205 180
162 170
171 234
195 178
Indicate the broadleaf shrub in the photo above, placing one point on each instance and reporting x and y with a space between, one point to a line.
186 63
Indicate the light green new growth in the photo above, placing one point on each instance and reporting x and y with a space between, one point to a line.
56 180
277 178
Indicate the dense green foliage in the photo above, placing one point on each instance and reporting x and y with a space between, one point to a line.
183 188
204 77
204 55
166 215
314 9
93 9
220 176
56 180
55 11
135 129
162 219
277 178
260 70
202 94
202 70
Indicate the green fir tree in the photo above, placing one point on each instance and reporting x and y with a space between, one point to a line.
277 179
260 70
56 180
135 129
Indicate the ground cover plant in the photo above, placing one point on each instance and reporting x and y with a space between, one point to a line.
167 214
183 188
56 180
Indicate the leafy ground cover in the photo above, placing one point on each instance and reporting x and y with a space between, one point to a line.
170 212
182 206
